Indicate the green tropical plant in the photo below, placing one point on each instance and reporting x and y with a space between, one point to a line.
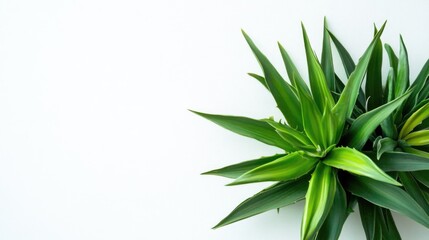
341 144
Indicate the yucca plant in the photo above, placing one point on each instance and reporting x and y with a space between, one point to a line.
326 137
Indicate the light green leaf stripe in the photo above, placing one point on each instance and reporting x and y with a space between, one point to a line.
358 163
236 170
319 199
277 196
289 167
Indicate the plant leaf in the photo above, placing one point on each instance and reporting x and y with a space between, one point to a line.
373 86
415 119
277 196
236 170
418 138
368 218
412 187
388 126
402 80
392 232
344 107
385 145
393 59
292 71
388 196
331 227
321 94
327 61
289 167
293 136
418 85
319 199
248 127
362 128
260 79
353 161
422 177
282 92
348 63
403 162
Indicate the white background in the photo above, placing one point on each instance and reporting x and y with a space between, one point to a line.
95 138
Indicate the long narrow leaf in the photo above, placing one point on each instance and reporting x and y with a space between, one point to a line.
319 87
327 61
248 127
418 138
422 177
336 218
358 163
319 199
345 104
282 92
260 79
364 125
412 187
277 196
368 216
402 76
292 71
289 167
373 86
236 170
403 162
388 196
418 85
415 119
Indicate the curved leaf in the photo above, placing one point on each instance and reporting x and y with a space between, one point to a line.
292 72
277 196
319 199
414 120
388 196
422 177
358 163
412 187
260 79
418 138
385 145
286 168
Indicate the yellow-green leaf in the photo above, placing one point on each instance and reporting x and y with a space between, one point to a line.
414 120
358 163
319 199
289 167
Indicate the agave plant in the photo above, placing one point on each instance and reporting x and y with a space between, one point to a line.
326 139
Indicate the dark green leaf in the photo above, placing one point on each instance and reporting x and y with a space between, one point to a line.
412 187
418 85
368 218
401 161
402 80
422 177
385 145
319 88
393 59
327 61
373 86
362 128
292 72
388 196
277 196
236 170
282 92
248 127
345 104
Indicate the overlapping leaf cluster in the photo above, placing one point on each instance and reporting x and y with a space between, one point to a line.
341 144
